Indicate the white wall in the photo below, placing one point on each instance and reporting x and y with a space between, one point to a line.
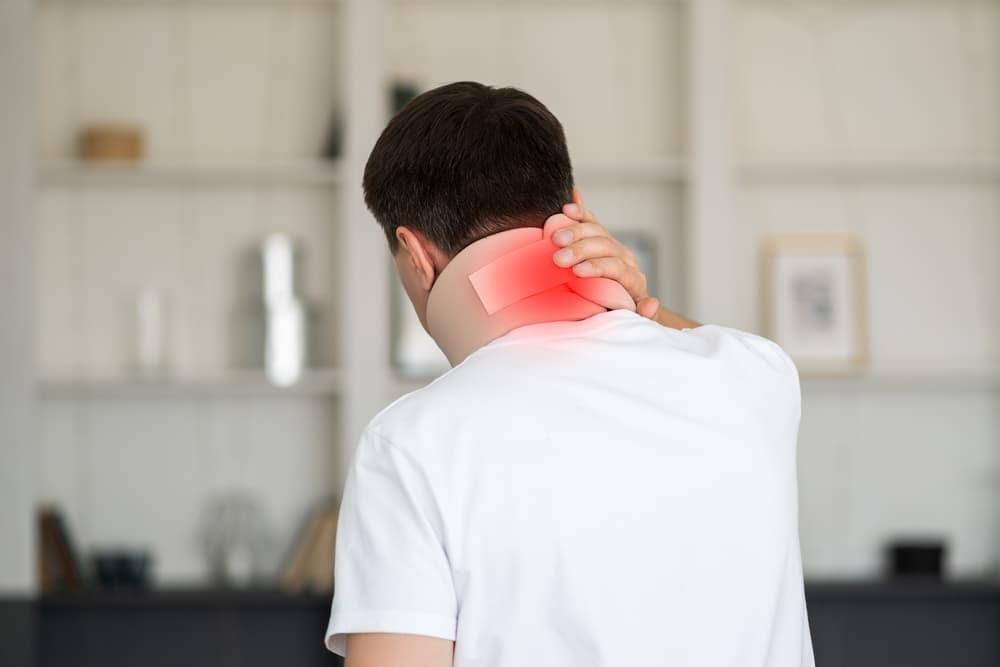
911 84
610 71
909 461
17 451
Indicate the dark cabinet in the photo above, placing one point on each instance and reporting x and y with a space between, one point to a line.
854 624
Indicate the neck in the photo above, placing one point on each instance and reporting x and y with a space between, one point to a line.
506 281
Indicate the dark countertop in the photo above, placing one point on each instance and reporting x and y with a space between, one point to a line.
825 590
185 596
901 589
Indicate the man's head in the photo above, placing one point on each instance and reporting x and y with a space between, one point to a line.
457 164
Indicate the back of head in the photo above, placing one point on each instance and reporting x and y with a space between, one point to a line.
464 161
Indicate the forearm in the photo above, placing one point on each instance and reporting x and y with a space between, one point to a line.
673 320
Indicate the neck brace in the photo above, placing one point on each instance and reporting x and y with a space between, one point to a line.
508 280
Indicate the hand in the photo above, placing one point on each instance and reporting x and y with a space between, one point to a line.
591 251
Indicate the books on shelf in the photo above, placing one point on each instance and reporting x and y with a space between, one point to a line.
309 565
59 567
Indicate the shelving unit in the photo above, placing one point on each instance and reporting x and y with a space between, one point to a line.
704 124
238 100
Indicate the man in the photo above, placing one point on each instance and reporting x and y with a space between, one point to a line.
585 487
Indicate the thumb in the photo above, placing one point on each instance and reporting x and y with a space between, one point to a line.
648 307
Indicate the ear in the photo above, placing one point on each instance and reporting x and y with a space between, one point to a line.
577 197
420 255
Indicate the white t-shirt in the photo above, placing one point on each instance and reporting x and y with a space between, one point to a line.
605 492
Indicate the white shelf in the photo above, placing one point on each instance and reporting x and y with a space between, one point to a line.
316 382
649 171
885 382
891 172
308 173
881 382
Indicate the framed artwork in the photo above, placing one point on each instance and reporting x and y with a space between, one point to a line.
814 301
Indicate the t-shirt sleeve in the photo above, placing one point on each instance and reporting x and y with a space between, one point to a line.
392 572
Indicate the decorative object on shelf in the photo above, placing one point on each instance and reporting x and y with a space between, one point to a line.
309 565
813 298
910 558
111 142
59 566
285 314
644 248
415 354
122 568
150 333
401 93
235 538
333 146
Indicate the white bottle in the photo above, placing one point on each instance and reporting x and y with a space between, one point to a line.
284 313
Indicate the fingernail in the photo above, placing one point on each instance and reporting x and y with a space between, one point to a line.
572 209
583 269
564 256
563 236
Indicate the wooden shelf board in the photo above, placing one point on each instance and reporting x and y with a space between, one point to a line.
317 382
901 172
151 173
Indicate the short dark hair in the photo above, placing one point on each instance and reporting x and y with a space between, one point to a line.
465 160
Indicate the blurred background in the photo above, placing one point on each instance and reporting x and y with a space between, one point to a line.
199 316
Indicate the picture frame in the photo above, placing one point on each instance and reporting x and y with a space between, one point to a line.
814 301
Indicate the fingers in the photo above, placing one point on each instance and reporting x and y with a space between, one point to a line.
630 277
593 247
580 213
591 251
580 230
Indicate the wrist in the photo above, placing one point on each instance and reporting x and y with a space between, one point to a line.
668 318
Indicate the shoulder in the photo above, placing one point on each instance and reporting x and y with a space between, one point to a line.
758 347
418 420
765 363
